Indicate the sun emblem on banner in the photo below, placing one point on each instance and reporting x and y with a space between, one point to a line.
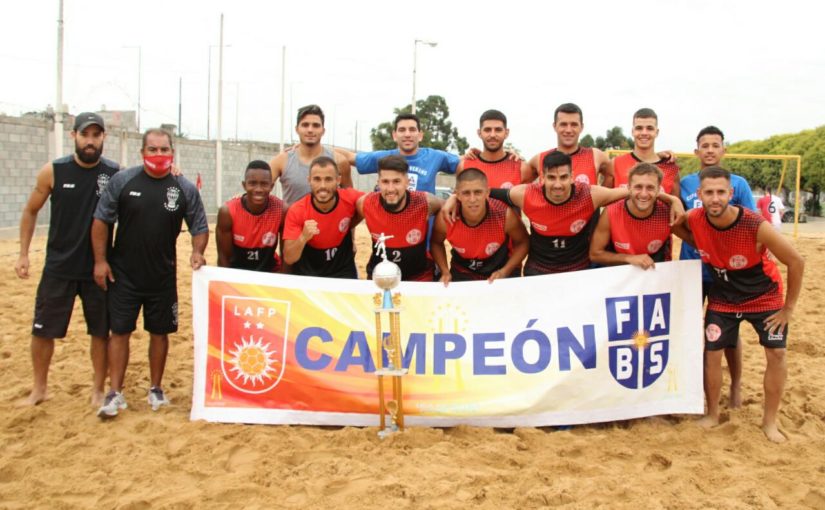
252 361
641 339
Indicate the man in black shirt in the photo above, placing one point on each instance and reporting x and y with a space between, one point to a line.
149 204
74 184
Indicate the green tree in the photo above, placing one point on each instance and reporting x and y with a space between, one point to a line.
613 139
587 141
439 132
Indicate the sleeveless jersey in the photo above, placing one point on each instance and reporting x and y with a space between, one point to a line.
584 164
295 176
637 236
74 198
480 250
503 173
408 246
559 236
624 163
330 252
255 236
744 280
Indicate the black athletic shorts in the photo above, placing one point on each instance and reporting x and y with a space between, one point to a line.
722 330
160 309
55 301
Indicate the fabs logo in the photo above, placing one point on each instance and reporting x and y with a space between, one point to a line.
638 329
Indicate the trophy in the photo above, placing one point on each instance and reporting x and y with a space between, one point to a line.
386 276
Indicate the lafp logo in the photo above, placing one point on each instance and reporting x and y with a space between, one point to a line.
638 329
253 342
172 196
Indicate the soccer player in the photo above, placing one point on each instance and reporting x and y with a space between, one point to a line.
635 231
424 162
588 163
149 205
710 149
292 167
771 207
746 286
74 184
645 131
402 216
481 237
501 168
249 225
318 229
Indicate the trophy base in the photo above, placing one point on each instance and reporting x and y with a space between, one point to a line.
387 432
396 371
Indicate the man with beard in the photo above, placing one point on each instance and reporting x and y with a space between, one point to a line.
635 231
500 167
318 228
249 225
292 167
149 205
710 149
74 184
401 217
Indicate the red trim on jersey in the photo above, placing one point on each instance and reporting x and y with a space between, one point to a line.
483 240
334 225
253 231
636 236
504 173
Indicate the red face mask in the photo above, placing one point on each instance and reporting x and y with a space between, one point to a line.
158 164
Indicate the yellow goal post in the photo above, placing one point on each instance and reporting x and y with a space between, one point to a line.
784 158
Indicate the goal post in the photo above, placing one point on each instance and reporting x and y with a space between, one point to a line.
784 158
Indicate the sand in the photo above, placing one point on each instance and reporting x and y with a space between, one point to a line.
59 455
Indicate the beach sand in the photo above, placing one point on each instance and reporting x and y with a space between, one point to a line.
60 455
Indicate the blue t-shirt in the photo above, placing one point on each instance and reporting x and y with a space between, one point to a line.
424 165
689 185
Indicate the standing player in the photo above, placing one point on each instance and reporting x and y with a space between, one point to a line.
501 168
710 148
74 184
747 286
402 216
318 229
636 230
771 207
424 162
149 205
645 131
292 167
588 163
481 237
249 225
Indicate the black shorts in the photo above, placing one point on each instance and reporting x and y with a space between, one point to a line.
722 330
55 301
160 309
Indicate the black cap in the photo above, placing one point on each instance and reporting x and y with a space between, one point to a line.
86 119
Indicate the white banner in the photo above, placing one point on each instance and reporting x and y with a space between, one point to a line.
591 346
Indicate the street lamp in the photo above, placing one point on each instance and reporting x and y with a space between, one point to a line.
209 88
140 68
431 44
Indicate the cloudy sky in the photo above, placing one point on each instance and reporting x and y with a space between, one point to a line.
754 68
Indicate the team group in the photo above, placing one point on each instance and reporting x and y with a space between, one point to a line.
309 232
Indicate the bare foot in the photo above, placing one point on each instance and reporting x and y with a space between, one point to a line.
772 433
34 398
97 398
735 399
708 421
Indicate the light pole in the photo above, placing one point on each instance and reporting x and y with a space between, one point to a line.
431 44
209 89
140 73
58 107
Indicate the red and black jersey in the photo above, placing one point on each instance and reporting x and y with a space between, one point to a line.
330 252
624 163
504 173
408 227
559 233
744 280
637 236
480 250
584 164
255 236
